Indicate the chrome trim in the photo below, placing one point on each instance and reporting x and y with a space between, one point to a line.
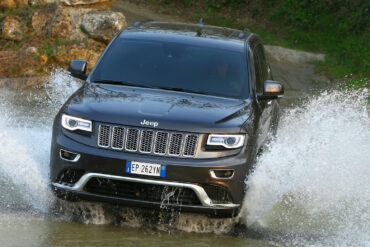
74 160
141 140
64 125
198 190
239 144
181 144
153 144
195 148
137 140
167 142
109 138
213 175
123 138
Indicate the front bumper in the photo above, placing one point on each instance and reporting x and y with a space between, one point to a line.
207 206
191 174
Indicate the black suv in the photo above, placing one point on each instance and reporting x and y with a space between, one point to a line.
172 115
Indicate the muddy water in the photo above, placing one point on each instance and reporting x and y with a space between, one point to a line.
28 230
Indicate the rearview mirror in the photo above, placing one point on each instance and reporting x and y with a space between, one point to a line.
272 90
77 68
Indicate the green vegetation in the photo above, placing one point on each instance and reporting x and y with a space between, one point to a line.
338 28
358 83
47 48
83 30
11 44
50 46
15 69
25 13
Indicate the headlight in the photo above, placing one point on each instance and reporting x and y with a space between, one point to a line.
75 123
227 141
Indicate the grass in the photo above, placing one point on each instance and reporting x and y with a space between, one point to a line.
358 83
25 12
49 46
344 55
10 45
83 30
15 69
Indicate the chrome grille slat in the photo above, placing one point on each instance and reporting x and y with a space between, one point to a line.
190 144
118 135
161 140
175 144
132 139
104 136
147 141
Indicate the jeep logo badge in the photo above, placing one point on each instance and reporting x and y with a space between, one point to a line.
147 123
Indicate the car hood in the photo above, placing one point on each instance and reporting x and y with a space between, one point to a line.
170 110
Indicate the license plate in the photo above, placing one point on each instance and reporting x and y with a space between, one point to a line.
148 169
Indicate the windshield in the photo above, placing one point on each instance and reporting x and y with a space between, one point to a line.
174 66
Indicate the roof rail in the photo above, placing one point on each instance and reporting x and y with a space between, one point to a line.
138 23
243 34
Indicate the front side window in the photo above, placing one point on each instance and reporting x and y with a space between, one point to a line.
158 64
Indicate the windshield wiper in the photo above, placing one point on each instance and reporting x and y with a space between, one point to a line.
158 87
113 82
180 90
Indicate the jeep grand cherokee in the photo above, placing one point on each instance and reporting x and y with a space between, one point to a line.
171 115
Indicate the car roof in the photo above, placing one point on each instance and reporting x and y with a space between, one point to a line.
198 34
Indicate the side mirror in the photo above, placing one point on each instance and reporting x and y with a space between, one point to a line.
77 68
272 90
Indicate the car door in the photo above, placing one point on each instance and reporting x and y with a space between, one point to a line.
265 106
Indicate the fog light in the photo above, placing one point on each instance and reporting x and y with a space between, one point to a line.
222 174
69 156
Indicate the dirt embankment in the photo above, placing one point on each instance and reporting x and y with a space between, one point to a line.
295 70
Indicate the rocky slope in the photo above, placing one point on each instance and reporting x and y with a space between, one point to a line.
37 35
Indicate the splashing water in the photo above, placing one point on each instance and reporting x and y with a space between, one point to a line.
25 140
313 180
315 177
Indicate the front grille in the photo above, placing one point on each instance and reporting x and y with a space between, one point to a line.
147 141
143 192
